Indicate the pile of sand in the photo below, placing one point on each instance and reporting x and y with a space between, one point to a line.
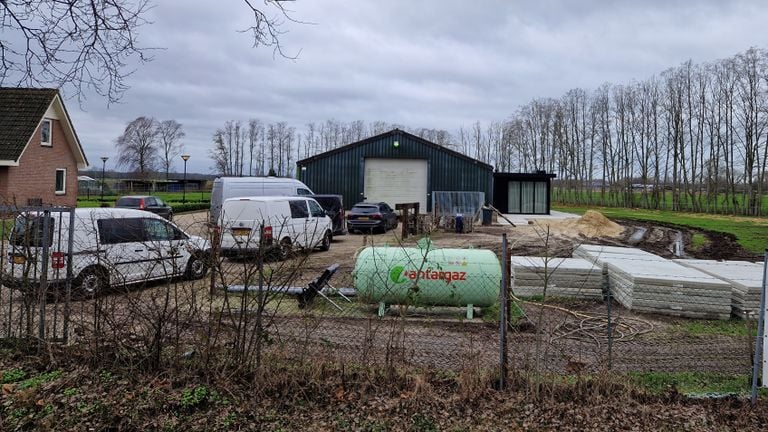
592 224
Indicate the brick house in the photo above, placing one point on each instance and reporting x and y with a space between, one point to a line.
40 154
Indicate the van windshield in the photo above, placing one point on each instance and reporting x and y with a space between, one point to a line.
28 231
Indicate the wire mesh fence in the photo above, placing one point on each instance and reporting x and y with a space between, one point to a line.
167 295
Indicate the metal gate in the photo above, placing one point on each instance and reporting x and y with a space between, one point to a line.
36 268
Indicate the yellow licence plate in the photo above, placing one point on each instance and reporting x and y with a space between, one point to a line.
364 218
18 259
241 231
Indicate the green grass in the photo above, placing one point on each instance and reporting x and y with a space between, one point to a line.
718 204
692 383
750 232
699 241
195 200
192 196
733 327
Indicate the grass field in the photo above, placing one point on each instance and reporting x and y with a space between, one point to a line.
751 232
170 197
717 205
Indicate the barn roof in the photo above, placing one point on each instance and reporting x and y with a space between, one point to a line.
393 132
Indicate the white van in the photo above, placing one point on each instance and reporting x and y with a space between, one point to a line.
110 247
231 187
288 223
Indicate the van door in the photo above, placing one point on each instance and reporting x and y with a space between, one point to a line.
165 246
126 253
317 224
299 219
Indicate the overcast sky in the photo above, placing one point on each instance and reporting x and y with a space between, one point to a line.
426 63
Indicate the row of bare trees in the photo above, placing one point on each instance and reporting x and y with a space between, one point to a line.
692 138
255 148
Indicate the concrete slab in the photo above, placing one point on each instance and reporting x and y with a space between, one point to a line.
523 219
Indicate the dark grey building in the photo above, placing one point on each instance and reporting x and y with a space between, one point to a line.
394 167
522 193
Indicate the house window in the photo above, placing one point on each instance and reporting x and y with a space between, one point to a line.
61 181
45 132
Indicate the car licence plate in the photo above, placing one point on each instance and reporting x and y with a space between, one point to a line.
364 218
241 231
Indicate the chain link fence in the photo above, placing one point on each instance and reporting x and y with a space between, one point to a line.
143 292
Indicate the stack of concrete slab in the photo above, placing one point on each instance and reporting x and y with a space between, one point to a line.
745 278
648 283
564 277
597 254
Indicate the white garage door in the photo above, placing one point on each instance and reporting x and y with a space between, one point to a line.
396 181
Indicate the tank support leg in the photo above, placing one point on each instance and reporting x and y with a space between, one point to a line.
470 311
382 309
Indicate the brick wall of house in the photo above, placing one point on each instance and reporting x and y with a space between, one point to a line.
35 177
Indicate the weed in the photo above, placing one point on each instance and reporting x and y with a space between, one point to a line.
423 423
13 375
107 377
229 420
732 327
191 398
491 313
691 382
69 392
38 380
19 413
699 241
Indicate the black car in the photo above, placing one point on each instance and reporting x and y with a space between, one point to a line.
334 208
146 202
371 217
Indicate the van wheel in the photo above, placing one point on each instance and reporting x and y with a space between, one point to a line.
92 281
326 243
285 249
197 267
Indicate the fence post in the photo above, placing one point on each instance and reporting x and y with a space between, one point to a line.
503 314
609 301
71 239
43 274
759 358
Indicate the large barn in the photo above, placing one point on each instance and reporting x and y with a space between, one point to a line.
394 167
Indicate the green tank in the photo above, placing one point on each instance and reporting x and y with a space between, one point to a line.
427 277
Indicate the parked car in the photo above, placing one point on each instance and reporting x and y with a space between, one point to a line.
371 217
110 247
146 202
334 208
232 187
288 223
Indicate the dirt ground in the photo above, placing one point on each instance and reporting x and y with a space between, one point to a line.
439 341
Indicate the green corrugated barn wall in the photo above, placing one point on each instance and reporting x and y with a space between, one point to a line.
341 171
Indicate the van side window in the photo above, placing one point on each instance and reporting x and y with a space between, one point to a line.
316 210
160 230
298 209
121 230
302 191
28 231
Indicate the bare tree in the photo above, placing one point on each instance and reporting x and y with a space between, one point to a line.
87 45
138 146
169 134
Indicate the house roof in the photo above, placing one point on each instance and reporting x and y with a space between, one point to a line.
385 134
21 111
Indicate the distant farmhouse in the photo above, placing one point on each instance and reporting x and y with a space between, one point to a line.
40 154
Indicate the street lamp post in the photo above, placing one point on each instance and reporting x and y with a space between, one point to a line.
184 194
104 160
